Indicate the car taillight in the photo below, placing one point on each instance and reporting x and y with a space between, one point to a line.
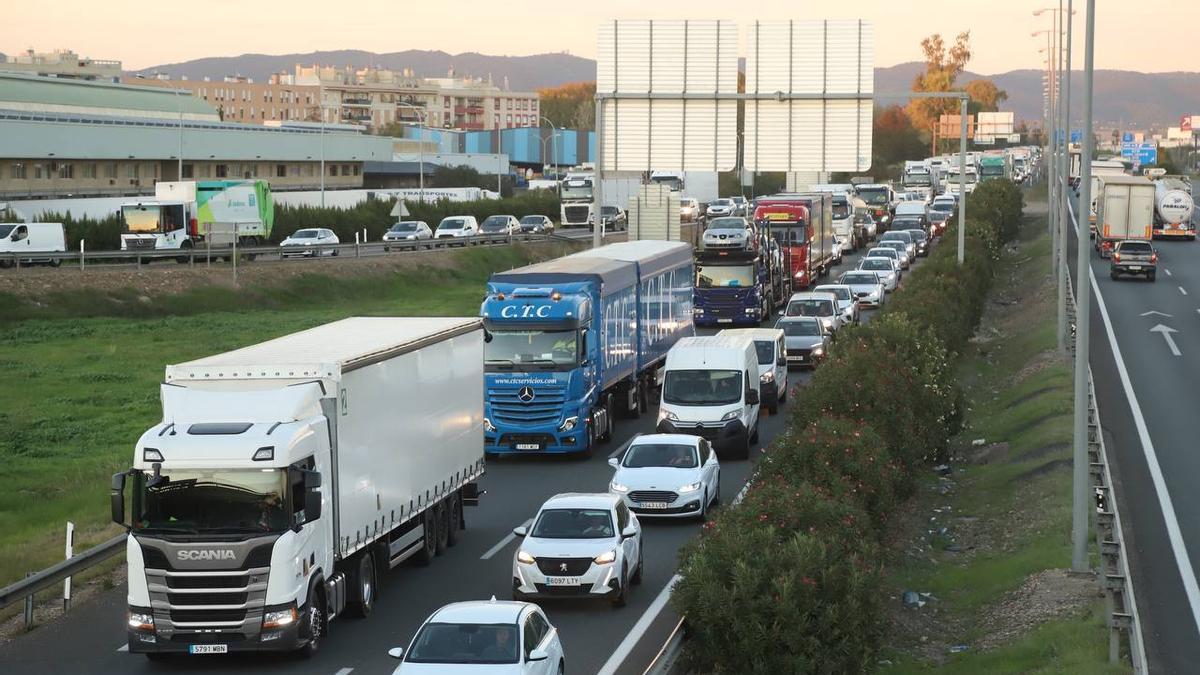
1153 257
1116 257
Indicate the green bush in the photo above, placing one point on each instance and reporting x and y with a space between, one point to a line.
945 297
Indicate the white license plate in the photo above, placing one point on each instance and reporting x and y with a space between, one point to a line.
654 505
562 581
208 649
1135 268
528 446
724 320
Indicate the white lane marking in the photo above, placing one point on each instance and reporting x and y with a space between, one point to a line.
123 648
639 629
344 671
1183 290
1155 311
1186 573
1166 331
1168 272
501 544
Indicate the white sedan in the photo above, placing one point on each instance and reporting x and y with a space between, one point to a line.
579 546
310 241
514 638
670 475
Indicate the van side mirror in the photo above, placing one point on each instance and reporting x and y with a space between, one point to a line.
752 397
781 361
117 499
312 496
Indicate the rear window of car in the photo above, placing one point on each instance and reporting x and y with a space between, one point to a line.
1134 247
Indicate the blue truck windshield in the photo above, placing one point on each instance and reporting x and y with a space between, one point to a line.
725 276
543 349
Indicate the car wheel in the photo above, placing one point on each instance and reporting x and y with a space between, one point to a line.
1112 274
774 407
783 393
1151 276
637 573
622 594
703 515
562 668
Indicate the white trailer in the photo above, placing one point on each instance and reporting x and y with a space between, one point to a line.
1173 207
654 214
287 477
1125 211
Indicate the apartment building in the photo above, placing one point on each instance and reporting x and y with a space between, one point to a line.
61 63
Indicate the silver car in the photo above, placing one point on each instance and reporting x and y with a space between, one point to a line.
407 230
846 301
729 233
886 269
805 339
894 253
901 235
821 306
723 207
865 285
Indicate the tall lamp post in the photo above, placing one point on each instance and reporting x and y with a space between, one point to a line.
421 115
554 145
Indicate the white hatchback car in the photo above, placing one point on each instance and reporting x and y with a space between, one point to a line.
580 545
669 475
514 638
310 241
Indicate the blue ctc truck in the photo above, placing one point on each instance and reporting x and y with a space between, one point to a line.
572 343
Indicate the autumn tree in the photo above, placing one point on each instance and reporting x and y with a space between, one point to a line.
985 96
571 105
895 140
943 65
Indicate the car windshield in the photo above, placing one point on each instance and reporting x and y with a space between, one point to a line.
495 222
907 223
202 501
546 349
809 307
702 387
903 237
573 524
860 279
306 234
531 220
1135 247
673 455
404 227
882 252
726 224
465 643
918 235
766 351
725 276
800 328
944 207
840 292
451 224
722 202
877 263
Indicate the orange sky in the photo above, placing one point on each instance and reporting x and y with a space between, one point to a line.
143 34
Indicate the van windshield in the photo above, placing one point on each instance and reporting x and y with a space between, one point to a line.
702 387
6 230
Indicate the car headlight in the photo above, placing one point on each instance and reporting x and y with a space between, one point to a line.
280 618
690 487
667 415
731 415
569 423
525 558
140 621
617 487
487 425
606 557
767 377
818 351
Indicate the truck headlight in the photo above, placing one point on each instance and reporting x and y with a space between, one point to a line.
698 311
524 557
487 425
767 377
731 415
606 557
569 423
140 621
617 487
280 618
690 487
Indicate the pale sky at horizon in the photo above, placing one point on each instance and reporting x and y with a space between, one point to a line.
143 34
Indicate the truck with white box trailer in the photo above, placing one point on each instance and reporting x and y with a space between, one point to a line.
190 214
287 477
1125 210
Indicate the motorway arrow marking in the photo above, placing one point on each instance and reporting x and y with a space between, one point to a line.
1166 333
1154 311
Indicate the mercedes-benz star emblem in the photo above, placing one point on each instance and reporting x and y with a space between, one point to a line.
563 567
525 394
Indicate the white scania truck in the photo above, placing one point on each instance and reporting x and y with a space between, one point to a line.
287 477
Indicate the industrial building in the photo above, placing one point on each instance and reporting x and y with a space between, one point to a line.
61 63
71 137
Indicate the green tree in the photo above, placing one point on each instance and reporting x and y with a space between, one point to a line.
985 96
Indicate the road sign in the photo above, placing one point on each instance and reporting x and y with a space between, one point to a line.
823 73
667 62
1140 153
1127 137
1077 135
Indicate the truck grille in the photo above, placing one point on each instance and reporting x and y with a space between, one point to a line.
564 567
653 496
576 214
508 407
140 244
206 600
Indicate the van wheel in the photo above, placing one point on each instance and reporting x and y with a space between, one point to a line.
55 262
754 435
456 519
365 585
429 540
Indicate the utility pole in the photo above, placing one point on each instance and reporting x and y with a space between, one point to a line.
962 180
1066 188
1083 305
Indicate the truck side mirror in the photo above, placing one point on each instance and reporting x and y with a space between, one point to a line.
117 499
312 496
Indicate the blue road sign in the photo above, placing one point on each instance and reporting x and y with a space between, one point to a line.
1077 135
1141 154
1127 138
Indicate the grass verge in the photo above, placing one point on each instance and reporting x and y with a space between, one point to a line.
989 540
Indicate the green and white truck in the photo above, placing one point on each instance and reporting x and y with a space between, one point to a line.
190 214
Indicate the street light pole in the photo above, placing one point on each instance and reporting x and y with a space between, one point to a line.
1083 306
962 180
420 145
554 145
1066 188
179 166
321 107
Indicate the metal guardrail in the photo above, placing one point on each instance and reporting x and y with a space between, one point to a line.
1120 605
666 661
54 574
191 256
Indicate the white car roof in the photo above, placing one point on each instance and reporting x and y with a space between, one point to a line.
679 439
822 287
813 295
581 500
752 333
480 611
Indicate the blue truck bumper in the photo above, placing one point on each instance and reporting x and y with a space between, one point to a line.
728 317
544 440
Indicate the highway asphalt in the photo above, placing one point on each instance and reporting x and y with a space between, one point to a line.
1146 393
596 637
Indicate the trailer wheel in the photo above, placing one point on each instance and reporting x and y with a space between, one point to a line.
456 519
428 540
365 585
442 515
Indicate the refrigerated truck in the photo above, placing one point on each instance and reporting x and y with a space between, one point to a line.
287 477
574 341
191 214
1124 211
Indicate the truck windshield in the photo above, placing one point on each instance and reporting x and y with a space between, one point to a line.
199 501
841 210
917 179
702 387
991 170
577 189
725 276
140 218
6 230
874 197
674 183
546 349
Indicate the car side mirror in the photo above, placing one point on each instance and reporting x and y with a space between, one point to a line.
396 652
752 397
537 655
521 531
614 462
117 498
629 531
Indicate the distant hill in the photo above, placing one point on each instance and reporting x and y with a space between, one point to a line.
1134 100
524 73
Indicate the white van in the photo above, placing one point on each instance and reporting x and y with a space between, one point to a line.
772 363
32 243
711 389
